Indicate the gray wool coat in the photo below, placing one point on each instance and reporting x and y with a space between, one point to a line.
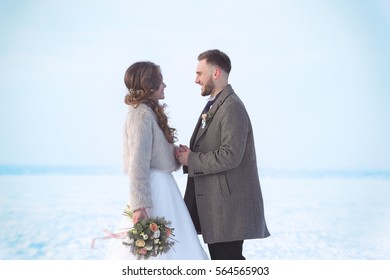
223 193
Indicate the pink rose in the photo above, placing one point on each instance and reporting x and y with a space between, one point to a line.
142 251
153 227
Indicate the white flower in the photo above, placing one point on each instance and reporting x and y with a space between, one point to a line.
149 247
156 234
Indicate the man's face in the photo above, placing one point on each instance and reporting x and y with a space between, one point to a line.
204 77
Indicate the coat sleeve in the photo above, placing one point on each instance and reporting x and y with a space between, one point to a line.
139 141
234 128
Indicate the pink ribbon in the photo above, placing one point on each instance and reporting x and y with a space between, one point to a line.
119 235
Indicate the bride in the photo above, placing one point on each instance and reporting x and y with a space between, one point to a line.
149 160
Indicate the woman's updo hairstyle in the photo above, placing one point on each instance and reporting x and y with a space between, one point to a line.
142 79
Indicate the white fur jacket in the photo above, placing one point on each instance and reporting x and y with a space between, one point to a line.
145 147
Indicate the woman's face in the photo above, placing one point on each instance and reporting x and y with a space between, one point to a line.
159 94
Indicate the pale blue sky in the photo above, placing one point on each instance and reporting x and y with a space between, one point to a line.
313 75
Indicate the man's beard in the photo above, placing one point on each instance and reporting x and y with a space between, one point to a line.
208 88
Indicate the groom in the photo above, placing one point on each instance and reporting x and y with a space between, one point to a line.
223 192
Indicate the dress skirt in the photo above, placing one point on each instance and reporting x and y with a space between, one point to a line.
167 202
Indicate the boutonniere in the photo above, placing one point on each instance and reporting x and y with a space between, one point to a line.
205 118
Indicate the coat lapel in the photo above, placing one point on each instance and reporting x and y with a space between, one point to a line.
193 137
199 131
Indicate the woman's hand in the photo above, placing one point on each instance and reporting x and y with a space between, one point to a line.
139 215
183 155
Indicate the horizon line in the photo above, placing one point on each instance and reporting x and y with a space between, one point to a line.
15 169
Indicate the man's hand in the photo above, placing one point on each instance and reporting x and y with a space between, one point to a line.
184 153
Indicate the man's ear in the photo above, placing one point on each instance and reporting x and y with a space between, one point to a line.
217 73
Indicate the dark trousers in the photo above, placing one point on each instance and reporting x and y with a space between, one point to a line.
226 250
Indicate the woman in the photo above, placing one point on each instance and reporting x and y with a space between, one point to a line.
149 159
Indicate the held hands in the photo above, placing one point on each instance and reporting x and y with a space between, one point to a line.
181 154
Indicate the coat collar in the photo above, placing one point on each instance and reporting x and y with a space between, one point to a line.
228 90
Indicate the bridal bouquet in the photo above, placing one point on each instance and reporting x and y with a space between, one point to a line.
149 237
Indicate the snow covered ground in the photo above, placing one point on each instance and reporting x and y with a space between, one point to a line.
54 217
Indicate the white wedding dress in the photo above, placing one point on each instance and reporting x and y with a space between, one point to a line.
167 202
